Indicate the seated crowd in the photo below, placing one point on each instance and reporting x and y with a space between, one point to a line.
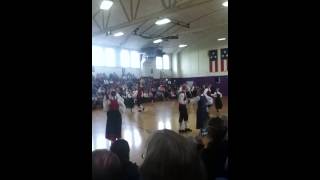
128 84
127 87
168 156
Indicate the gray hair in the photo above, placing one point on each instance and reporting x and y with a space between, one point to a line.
171 156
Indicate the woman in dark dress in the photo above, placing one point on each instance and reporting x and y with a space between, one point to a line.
113 105
129 101
140 99
202 113
166 93
217 99
194 91
153 91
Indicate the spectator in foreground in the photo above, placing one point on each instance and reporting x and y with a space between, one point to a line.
214 153
170 156
130 170
105 165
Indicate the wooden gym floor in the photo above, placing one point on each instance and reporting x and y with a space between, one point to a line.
138 126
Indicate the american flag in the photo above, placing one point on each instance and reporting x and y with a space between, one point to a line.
213 60
224 59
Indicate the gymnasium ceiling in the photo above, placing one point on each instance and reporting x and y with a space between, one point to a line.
206 19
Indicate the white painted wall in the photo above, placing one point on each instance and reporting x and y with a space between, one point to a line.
193 61
174 64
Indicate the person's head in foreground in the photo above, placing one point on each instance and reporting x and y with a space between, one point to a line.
105 165
121 148
170 156
130 170
216 129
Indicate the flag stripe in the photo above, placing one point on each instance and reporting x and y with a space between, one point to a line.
213 67
222 65
226 64
216 66
213 60
224 59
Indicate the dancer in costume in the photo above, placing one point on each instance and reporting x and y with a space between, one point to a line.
113 105
183 116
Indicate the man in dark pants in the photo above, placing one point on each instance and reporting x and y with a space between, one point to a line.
183 117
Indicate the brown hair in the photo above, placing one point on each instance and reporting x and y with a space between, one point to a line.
105 165
170 156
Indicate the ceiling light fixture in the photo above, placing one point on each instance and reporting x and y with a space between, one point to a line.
225 4
182 45
222 39
163 21
157 41
118 34
106 4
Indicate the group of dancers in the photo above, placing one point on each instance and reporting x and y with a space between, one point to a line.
114 105
204 99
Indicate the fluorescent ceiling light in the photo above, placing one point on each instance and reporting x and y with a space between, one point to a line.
182 45
225 4
118 34
222 39
163 21
106 4
157 41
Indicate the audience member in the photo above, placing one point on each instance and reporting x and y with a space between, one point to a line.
130 170
170 156
214 153
105 165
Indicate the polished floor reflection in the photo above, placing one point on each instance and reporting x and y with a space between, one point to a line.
137 126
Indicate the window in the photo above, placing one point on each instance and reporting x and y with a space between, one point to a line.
124 58
135 59
158 62
166 62
110 57
129 59
142 61
97 56
103 56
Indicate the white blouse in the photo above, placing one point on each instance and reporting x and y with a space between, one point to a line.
106 103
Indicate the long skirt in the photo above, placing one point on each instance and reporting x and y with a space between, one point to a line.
139 101
129 102
218 103
202 117
113 127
